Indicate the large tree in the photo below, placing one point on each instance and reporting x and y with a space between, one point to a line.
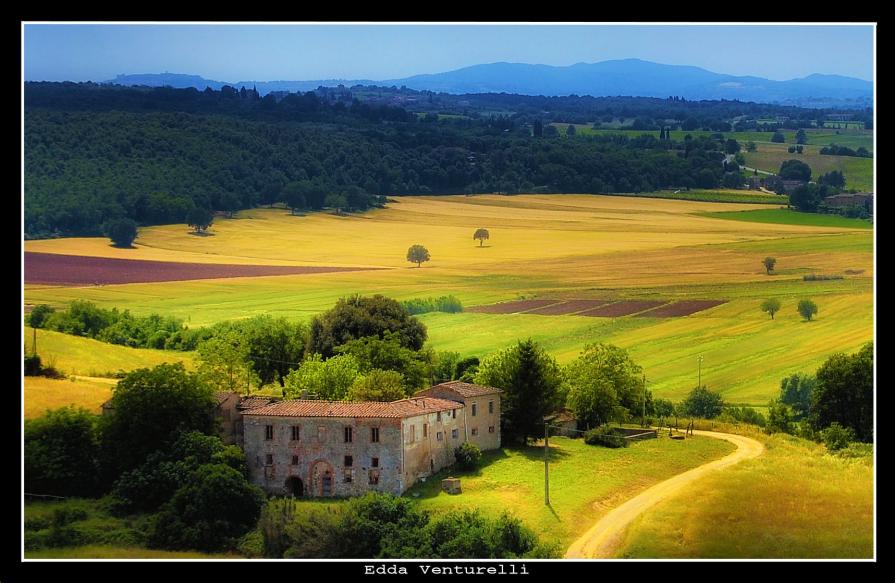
771 306
532 383
225 360
844 393
199 219
417 254
795 170
797 391
769 263
378 385
148 409
386 353
702 402
359 316
807 309
481 235
602 378
122 232
323 379
61 450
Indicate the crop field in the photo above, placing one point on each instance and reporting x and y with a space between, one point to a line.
791 217
544 250
74 355
793 502
43 394
49 268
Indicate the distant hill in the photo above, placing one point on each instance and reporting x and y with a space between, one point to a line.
632 77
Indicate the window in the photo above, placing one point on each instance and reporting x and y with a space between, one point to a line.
349 435
268 459
349 460
374 477
346 477
475 431
439 436
295 460
454 433
374 462
374 434
491 407
454 413
321 434
268 432
295 433
425 430
491 429
412 433
474 405
438 416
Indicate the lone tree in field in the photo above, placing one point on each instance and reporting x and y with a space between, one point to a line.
481 235
807 309
122 232
769 263
199 219
771 306
417 254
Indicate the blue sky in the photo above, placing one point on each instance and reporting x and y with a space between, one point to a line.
57 52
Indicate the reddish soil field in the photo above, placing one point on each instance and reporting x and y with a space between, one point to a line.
682 308
52 269
512 307
569 307
623 308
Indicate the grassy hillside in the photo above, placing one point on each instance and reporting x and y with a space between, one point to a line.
791 217
795 501
43 394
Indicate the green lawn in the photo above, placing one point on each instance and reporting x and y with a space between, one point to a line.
716 195
585 481
795 501
116 552
791 217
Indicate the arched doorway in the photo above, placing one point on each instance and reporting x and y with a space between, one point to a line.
295 487
322 476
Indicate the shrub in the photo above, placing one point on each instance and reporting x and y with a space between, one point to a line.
702 402
38 315
449 304
604 436
837 437
468 455
32 365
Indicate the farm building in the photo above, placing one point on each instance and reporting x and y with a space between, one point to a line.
860 199
343 448
563 422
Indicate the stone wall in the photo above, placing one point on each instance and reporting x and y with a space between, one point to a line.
429 442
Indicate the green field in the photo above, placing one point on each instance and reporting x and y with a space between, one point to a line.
585 481
858 171
550 246
794 501
791 217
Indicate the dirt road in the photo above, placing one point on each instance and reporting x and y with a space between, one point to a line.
604 537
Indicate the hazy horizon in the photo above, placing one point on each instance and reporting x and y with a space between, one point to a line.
284 52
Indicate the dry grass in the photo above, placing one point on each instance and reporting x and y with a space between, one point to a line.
43 394
795 501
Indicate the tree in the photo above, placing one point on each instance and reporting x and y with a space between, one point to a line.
149 407
771 306
807 197
38 316
807 309
751 147
801 137
360 316
769 263
797 391
468 456
778 138
215 507
199 218
387 353
323 379
570 130
230 203
274 346
122 232
731 146
61 449
794 170
834 178
417 254
601 379
531 381
844 393
225 361
702 402
481 235
780 419
336 201
378 385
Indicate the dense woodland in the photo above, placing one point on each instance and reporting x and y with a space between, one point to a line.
95 153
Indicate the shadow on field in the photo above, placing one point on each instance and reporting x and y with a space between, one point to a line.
536 452
201 234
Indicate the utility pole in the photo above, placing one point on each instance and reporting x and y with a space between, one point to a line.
546 464
643 415
34 342
699 364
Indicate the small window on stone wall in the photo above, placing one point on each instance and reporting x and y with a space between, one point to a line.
374 477
268 460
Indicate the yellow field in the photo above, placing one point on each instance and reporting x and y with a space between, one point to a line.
73 355
556 246
43 394
793 502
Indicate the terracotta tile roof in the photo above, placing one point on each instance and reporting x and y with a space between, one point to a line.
254 402
563 416
463 389
396 409
222 396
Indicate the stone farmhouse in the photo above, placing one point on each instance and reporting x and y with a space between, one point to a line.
344 448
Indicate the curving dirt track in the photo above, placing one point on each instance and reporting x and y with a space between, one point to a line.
603 538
